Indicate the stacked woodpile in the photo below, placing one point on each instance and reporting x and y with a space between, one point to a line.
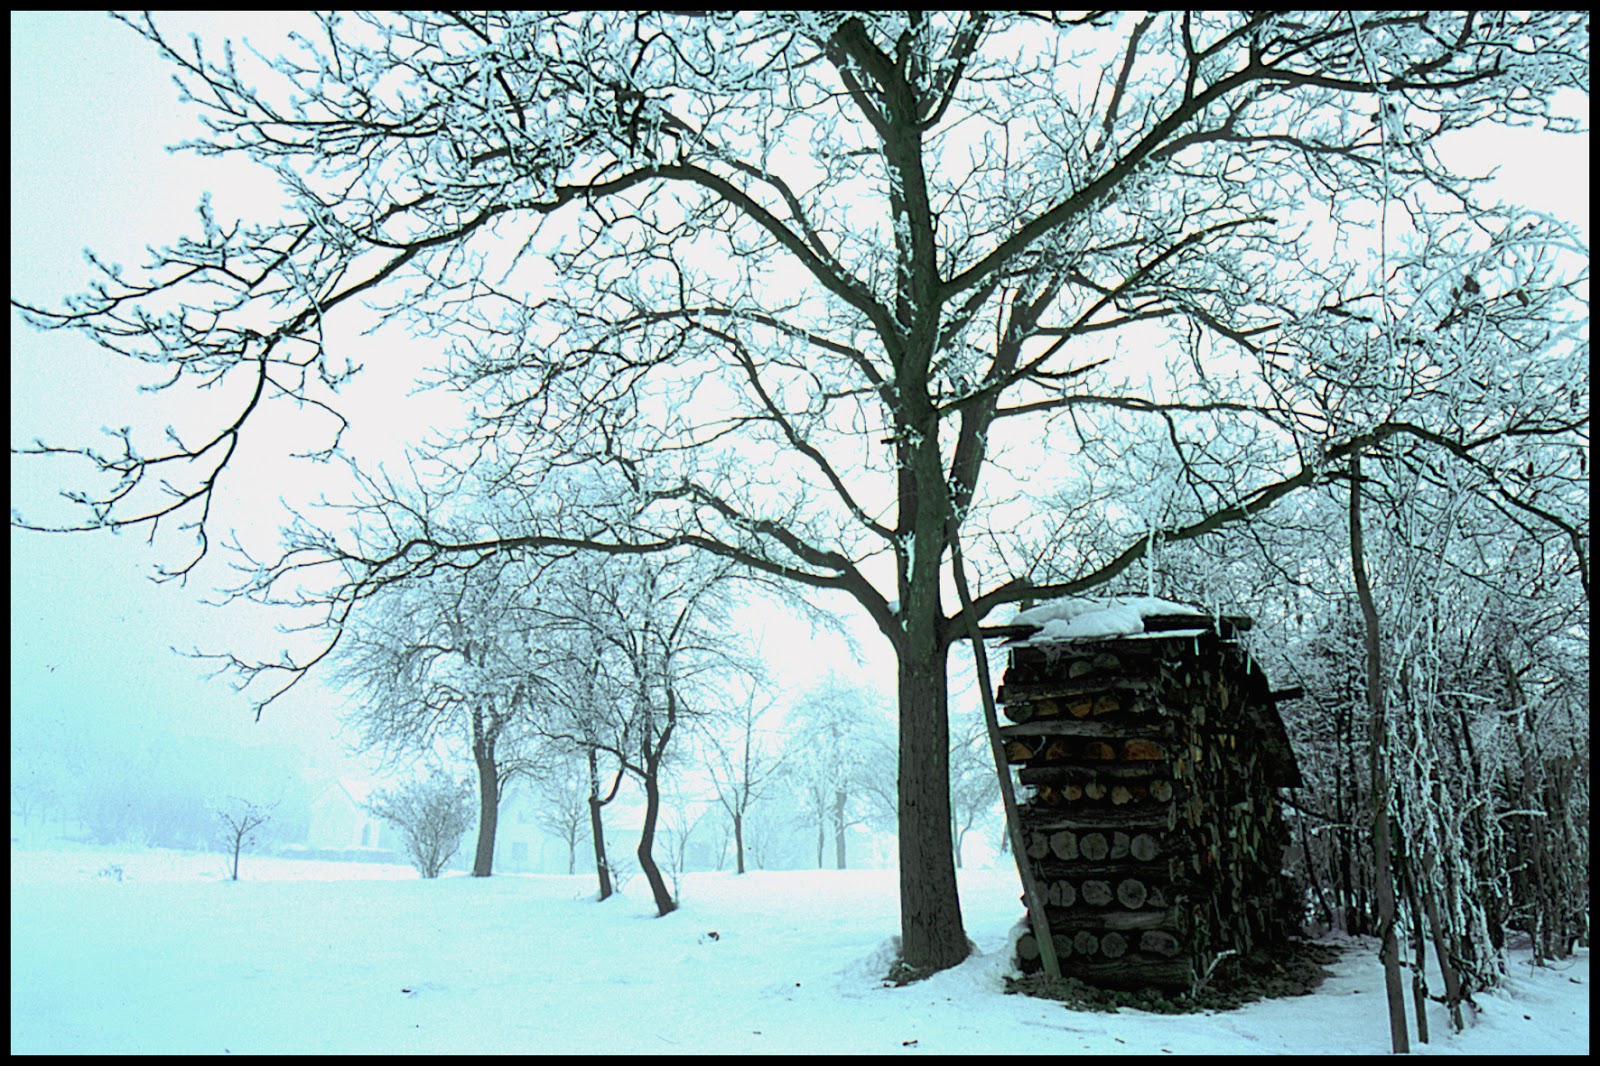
1151 815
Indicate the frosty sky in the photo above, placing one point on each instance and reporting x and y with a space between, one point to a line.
92 108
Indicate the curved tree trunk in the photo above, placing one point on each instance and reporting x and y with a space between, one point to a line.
738 841
665 904
653 752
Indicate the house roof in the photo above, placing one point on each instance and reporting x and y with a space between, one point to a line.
356 791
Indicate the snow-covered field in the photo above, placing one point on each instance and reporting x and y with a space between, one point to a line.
306 957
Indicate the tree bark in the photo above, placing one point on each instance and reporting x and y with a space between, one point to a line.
653 752
665 904
738 842
931 933
597 828
488 806
1378 748
822 829
838 828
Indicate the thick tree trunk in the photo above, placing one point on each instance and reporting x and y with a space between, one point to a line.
488 811
597 828
931 933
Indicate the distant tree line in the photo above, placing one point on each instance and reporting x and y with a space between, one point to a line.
166 794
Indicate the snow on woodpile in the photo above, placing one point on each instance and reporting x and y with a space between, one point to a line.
1077 618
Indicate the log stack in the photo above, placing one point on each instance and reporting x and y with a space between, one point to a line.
1150 763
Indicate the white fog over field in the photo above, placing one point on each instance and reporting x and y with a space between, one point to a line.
332 958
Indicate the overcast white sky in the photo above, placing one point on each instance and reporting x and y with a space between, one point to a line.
91 111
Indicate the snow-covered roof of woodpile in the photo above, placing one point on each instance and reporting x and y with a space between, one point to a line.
1074 618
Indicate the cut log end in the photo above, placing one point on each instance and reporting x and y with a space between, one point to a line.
1096 893
1131 893
1158 942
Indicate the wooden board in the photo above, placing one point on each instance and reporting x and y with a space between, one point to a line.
1103 728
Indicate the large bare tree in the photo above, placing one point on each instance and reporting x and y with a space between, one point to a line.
448 660
657 649
879 253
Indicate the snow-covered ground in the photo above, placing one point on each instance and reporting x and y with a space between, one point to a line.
306 957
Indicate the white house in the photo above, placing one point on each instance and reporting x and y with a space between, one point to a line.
341 822
521 845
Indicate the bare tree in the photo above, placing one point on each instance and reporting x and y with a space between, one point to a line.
574 707
889 245
655 628
677 827
972 780
742 767
840 759
432 815
240 820
447 659
1379 761
559 780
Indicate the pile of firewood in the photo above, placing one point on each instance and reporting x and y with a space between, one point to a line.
1153 824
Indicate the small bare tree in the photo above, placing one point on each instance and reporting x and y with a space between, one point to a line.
559 781
433 815
240 821
741 768
841 759
972 782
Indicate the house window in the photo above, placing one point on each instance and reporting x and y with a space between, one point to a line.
366 835
519 853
